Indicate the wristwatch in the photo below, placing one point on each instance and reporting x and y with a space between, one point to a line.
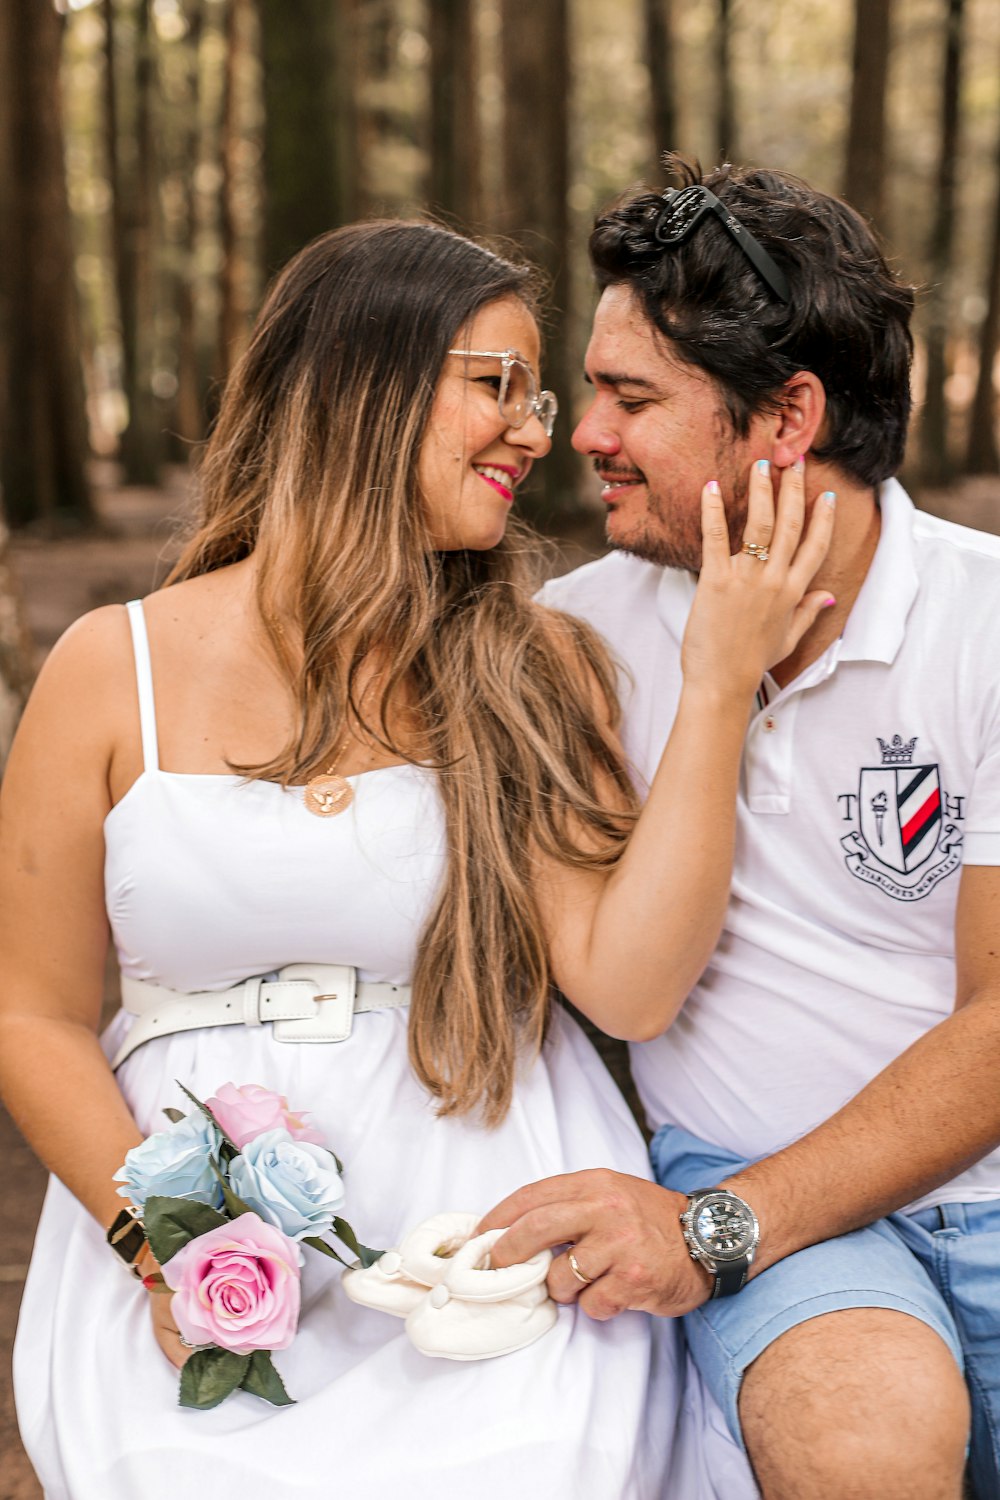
127 1238
721 1233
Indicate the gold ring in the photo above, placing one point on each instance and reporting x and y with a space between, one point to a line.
756 549
574 1266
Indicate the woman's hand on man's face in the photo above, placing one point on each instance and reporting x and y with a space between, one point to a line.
752 608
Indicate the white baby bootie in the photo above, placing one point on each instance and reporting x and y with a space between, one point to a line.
400 1279
476 1312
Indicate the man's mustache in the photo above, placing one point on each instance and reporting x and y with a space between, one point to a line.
605 470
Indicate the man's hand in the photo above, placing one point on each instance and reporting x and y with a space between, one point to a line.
624 1232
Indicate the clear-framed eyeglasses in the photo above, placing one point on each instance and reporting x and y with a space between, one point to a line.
518 396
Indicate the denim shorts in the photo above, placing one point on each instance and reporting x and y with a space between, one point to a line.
940 1265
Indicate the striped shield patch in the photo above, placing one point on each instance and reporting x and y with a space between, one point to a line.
901 814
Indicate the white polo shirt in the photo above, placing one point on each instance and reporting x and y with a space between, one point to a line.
866 784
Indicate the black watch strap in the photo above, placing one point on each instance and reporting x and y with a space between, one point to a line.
127 1236
728 1280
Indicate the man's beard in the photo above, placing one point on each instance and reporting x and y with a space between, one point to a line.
669 534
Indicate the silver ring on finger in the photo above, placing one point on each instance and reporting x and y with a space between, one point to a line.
574 1266
759 550
185 1343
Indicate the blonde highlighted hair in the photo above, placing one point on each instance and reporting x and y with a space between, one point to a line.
312 466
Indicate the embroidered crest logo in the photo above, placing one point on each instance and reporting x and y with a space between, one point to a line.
901 829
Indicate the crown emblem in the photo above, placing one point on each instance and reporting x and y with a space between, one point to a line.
898 752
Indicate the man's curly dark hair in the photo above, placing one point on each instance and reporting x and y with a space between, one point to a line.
847 320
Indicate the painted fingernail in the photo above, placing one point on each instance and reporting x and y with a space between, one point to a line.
800 464
713 487
763 467
829 603
830 497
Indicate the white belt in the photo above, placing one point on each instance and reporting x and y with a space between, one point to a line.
305 1003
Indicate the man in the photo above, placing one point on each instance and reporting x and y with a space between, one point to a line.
836 1071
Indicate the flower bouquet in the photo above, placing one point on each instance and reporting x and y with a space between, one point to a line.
226 1197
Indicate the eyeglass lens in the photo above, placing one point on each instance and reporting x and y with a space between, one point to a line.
519 398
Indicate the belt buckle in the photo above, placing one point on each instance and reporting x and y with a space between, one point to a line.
334 987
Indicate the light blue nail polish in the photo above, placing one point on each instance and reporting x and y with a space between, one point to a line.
830 497
763 467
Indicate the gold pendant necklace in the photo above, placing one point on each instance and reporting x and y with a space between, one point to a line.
328 794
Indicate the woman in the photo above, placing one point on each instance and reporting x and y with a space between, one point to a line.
352 610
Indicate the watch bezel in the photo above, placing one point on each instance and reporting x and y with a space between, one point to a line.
711 1254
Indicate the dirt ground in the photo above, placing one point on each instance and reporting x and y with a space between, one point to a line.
61 580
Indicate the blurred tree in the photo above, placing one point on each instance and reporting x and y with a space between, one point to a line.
310 138
232 326
936 467
131 168
16 652
190 402
454 106
535 151
726 143
43 434
659 40
982 456
864 183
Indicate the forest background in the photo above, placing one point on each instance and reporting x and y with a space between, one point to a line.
159 159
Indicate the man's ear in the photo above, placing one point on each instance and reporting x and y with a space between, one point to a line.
799 418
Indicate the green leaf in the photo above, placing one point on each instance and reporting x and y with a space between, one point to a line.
318 1244
365 1255
235 1205
337 1160
208 1115
211 1375
262 1379
171 1223
174 1115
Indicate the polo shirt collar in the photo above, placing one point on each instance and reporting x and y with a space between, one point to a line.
875 626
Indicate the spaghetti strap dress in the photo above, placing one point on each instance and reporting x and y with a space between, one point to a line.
211 879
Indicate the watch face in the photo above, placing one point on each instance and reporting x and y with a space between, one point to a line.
723 1228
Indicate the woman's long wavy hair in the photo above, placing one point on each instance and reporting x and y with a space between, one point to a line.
312 467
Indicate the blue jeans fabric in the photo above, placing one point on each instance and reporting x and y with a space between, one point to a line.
940 1265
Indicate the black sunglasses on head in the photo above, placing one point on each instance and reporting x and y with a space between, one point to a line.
685 208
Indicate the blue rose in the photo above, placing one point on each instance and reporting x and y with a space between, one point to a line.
174 1163
293 1185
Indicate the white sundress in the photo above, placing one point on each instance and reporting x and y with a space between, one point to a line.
211 879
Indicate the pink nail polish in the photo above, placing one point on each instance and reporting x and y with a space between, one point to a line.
829 603
800 464
713 487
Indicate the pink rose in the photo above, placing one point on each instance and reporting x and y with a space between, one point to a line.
246 1112
237 1286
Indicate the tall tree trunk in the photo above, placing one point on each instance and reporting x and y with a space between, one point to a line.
134 188
189 410
659 27
17 652
43 435
231 320
454 109
310 155
982 456
725 119
864 184
935 465
536 77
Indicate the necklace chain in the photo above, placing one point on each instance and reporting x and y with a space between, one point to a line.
328 794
